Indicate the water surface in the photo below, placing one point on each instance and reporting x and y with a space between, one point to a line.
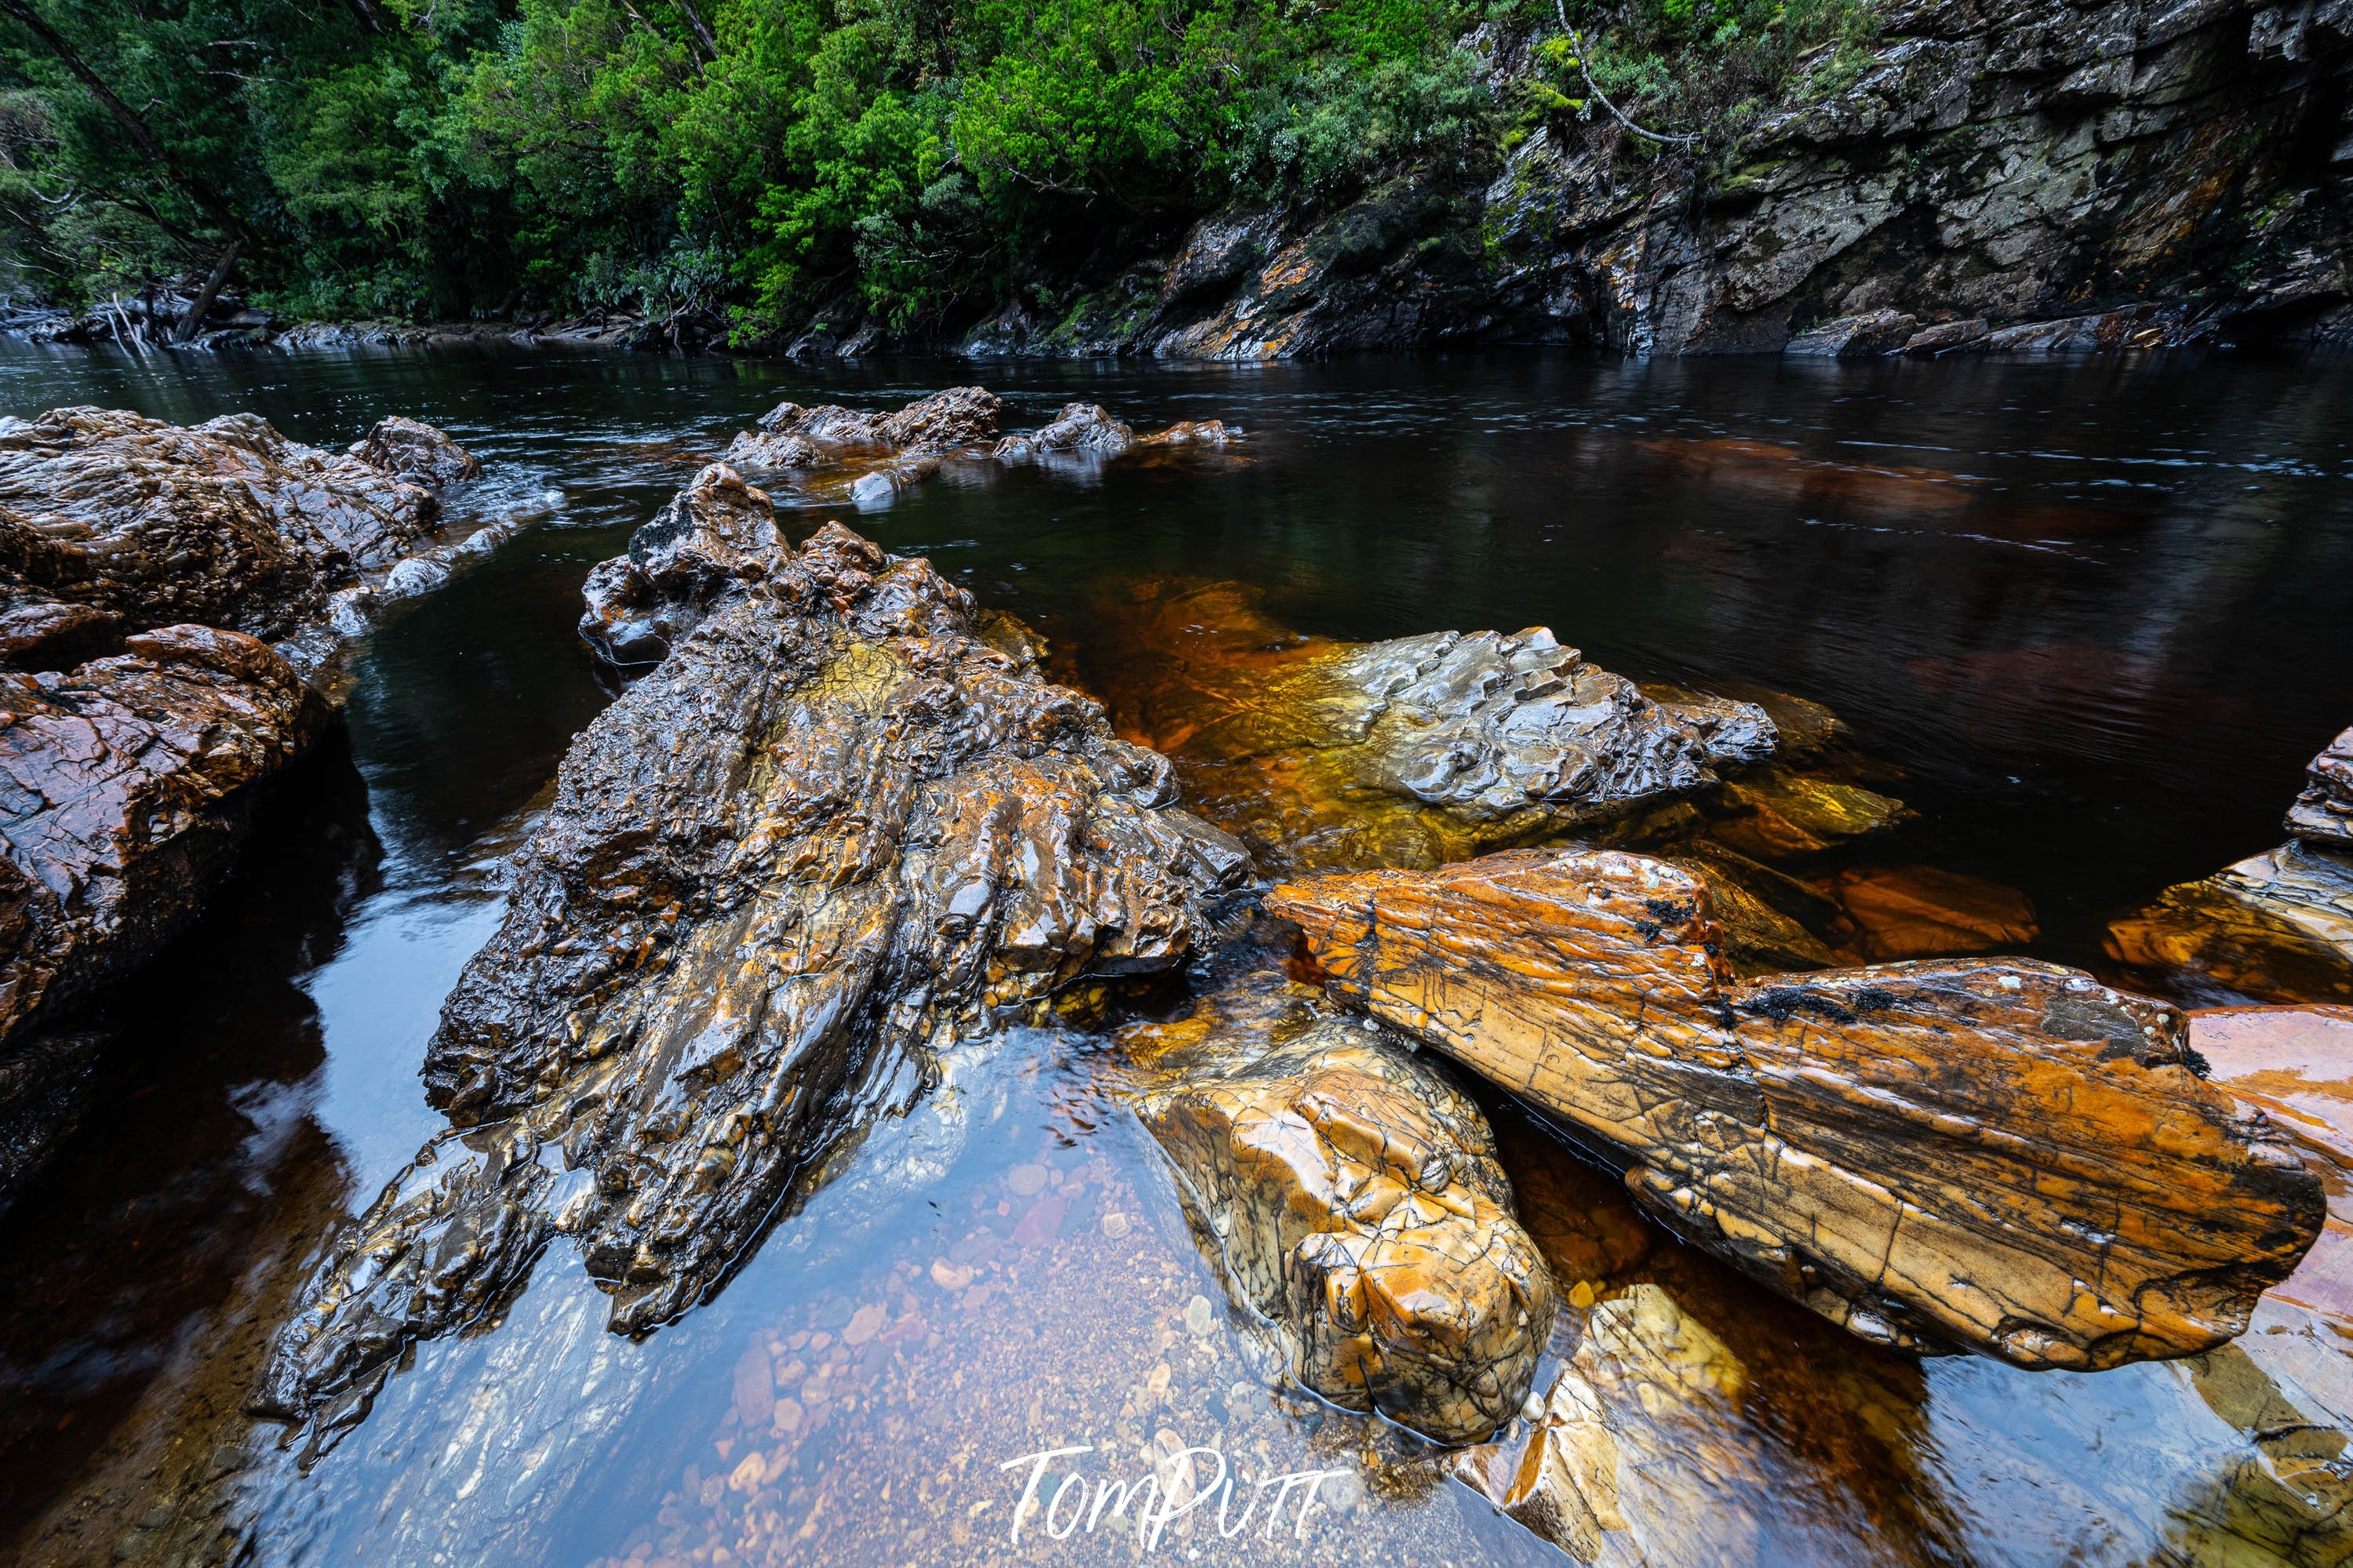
2096 610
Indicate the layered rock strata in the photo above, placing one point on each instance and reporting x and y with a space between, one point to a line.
2277 927
1354 1200
145 570
833 830
1325 754
2000 1154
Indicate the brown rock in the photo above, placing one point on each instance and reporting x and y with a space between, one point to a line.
1778 815
2323 814
2003 1154
124 788
2277 926
1918 911
1638 1459
1358 1203
1080 429
834 831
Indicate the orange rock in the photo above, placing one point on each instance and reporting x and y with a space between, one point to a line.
2277 927
1918 911
2003 1154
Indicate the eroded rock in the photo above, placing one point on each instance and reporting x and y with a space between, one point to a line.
2001 1154
1424 749
412 451
835 829
2323 814
227 523
128 783
1354 1199
1083 428
712 541
2277 927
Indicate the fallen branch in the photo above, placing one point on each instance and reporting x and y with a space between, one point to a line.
1577 44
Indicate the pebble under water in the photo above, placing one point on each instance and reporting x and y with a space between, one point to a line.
2095 610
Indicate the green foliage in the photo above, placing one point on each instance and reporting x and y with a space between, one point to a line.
915 161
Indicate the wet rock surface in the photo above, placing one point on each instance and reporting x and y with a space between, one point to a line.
1325 754
129 783
2323 814
227 523
1352 1196
415 451
2276 927
1877 1143
833 831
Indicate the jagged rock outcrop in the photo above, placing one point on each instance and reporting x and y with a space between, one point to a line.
145 571
415 451
124 789
1080 429
1352 1200
2277 927
2056 175
792 436
2323 814
2000 1154
713 540
1429 748
833 829
227 523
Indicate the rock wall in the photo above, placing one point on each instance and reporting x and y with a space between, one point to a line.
2124 173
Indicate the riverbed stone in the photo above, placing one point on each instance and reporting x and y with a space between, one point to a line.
1877 1143
2323 814
415 451
2276 927
834 831
129 783
1358 1205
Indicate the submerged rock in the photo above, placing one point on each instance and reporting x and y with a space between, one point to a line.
409 449
835 829
1879 1145
128 783
1356 1204
2276 926
1404 753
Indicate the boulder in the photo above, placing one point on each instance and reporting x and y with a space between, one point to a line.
946 421
836 829
411 450
2277 927
128 784
1411 751
1190 433
776 454
709 544
2004 1155
1919 911
1355 1203
2323 814
1855 337
1081 429
227 523
1637 1458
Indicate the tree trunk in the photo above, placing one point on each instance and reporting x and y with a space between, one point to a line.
208 200
202 305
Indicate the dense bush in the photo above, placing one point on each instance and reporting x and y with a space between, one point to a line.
918 159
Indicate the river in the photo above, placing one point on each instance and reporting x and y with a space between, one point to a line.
2093 609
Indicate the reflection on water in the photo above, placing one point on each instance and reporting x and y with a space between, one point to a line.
2094 611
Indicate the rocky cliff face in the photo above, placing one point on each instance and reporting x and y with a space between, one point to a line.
2102 174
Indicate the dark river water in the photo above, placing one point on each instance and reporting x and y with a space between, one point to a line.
2097 611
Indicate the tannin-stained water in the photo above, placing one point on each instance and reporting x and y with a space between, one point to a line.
2095 610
